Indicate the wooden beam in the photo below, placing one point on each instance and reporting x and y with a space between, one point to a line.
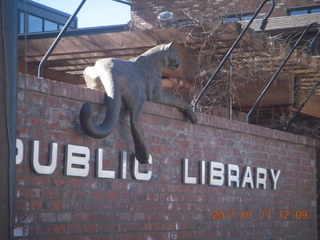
280 93
84 54
51 74
89 43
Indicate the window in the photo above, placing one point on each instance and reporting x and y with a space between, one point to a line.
21 22
303 10
230 19
41 21
247 16
35 24
315 10
50 26
37 18
237 17
298 12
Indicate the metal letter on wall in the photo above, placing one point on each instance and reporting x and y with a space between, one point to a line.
216 173
233 175
202 172
185 175
77 161
123 164
19 155
143 176
261 178
274 178
101 173
247 178
44 169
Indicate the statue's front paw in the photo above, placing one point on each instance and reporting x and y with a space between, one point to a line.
142 156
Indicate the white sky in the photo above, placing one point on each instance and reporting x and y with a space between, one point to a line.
94 12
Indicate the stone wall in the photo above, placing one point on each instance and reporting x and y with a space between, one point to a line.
268 189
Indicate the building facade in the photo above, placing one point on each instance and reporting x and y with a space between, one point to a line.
218 179
227 10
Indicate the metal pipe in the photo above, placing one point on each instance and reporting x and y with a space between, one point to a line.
56 41
313 90
8 115
280 68
262 27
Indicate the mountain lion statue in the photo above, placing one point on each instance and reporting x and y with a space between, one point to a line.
134 81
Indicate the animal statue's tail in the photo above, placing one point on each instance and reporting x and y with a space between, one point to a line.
113 104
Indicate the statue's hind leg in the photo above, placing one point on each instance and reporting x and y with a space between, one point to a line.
137 135
92 79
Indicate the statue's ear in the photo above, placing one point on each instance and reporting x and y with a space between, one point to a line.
169 46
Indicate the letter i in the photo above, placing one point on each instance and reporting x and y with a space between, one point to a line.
123 164
202 172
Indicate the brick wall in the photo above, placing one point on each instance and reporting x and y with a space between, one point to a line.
57 206
148 10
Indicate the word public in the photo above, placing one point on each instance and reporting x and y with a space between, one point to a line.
76 164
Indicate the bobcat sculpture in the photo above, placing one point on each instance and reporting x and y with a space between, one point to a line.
135 81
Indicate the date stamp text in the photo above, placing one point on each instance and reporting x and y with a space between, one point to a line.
264 214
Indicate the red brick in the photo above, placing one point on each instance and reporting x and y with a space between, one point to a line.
64 217
91 228
74 228
32 192
47 217
36 204
49 193
56 205
59 229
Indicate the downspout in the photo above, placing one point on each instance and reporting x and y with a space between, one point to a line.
8 110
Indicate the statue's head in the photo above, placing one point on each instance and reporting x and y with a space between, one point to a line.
173 58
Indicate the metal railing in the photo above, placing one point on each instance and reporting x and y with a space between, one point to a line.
313 90
56 41
61 33
312 45
262 27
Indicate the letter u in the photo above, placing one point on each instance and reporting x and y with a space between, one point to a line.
44 169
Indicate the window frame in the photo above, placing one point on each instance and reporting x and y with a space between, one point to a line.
25 29
306 8
28 23
45 25
237 17
21 22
